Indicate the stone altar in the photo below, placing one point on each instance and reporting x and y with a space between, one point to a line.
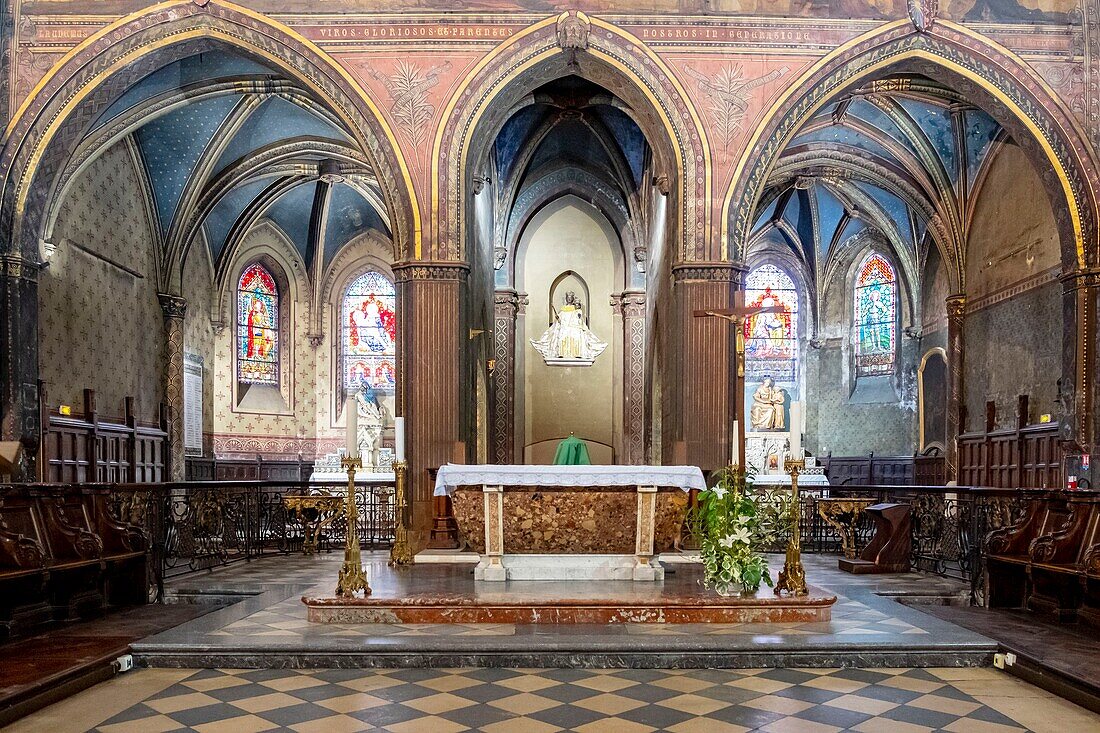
569 522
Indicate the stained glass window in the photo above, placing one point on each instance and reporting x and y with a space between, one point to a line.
257 327
771 339
876 304
369 318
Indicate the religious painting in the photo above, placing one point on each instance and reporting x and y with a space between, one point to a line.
771 339
257 327
876 305
369 331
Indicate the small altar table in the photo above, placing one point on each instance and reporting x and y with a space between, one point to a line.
569 522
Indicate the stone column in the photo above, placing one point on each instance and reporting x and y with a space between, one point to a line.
431 388
956 312
1078 384
20 416
700 381
507 306
175 309
630 305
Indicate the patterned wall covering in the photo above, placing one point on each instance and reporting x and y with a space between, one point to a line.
198 332
101 326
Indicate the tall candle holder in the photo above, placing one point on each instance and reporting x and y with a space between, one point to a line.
400 554
352 579
793 576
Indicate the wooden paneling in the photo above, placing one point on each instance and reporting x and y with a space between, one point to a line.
1024 456
88 448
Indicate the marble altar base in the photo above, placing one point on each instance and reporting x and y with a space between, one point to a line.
553 603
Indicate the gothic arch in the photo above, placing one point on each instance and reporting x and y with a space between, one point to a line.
998 82
53 120
570 44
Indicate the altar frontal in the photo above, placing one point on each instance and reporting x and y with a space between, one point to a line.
569 522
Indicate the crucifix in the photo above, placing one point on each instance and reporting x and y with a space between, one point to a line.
738 316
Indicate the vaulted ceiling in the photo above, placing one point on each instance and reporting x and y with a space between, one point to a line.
902 158
226 142
569 137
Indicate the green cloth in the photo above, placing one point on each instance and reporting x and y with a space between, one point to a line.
572 452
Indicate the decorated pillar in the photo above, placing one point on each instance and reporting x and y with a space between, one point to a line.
630 306
701 381
174 309
508 305
1077 387
431 390
956 312
20 418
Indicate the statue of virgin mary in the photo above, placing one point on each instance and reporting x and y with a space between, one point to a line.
569 341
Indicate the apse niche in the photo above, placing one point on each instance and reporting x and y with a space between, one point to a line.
568 167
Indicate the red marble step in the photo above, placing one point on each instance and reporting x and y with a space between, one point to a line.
526 607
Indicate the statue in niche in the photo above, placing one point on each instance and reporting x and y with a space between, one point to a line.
767 411
372 418
569 341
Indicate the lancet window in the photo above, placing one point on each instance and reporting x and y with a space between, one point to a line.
369 334
876 305
257 327
771 339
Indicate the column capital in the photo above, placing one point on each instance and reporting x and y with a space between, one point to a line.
18 267
173 306
709 272
1086 277
956 305
509 302
430 270
629 303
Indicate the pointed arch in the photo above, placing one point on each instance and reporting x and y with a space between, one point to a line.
991 76
614 59
50 124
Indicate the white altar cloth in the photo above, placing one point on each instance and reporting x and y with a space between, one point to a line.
454 475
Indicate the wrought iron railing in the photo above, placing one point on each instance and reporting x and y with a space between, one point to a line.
198 526
948 525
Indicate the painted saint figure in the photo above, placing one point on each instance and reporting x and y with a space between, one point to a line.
260 327
767 411
569 337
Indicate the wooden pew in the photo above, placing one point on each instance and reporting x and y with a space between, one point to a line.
1006 551
23 573
1056 570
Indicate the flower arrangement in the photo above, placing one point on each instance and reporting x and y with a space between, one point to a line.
733 523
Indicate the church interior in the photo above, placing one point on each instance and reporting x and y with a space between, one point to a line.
531 365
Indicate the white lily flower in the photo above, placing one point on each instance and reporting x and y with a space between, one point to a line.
742 535
720 492
727 541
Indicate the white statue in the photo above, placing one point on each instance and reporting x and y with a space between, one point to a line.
372 418
569 341
767 411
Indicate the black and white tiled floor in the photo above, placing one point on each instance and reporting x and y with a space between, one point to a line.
545 701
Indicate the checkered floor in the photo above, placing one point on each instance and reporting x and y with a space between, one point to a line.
615 701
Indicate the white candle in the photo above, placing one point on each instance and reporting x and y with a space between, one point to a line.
796 430
352 416
735 451
399 438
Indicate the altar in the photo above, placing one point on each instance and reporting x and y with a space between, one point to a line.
569 522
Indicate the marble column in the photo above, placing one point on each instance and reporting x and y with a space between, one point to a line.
1077 387
700 381
432 388
631 307
20 416
174 309
508 305
956 407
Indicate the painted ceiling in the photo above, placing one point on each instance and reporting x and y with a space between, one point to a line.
210 129
887 159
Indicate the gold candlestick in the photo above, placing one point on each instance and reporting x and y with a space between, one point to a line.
793 577
400 554
352 578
